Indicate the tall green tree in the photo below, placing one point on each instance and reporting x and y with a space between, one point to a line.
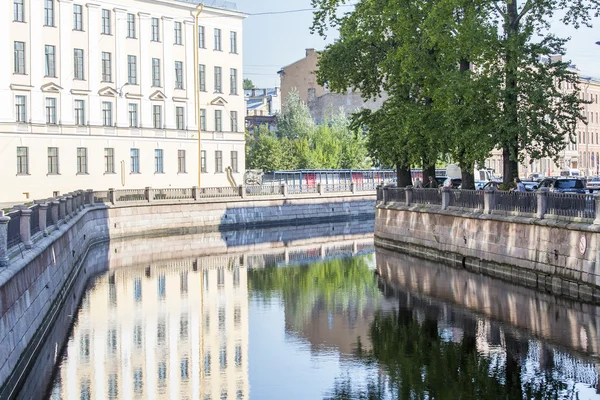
295 120
264 151
248 84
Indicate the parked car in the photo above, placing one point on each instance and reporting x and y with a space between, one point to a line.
491 185
563 185
531 186
593 184
453 183
535 177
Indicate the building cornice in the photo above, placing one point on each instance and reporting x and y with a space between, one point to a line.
136 96
23 88
180 99
92 5
80 92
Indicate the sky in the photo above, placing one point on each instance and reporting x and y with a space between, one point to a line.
274 41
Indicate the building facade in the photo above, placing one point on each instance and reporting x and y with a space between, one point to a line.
301 76
582 154
262 107
101 94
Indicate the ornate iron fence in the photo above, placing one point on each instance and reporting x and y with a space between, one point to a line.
34 221
130 195
296 189
101 196
427 196
473 199
396 195
217 192
571 205
14 228
264 190
173 194
523 202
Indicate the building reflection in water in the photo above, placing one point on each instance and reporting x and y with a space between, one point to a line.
176 330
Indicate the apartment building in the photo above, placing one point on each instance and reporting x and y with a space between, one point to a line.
101 94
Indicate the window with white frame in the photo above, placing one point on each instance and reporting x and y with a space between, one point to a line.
233 85
234 161
158 161
106 24
203 161
218 121
77 17
202 119
19 58
109 160
135 161
131 26
181 162
234 121
78 71
178 75
106 67
50 61
107 113
79 112
22 160
52 160
233 42
155 30
49 12
21 108
218 80
18 11
133 115
51 110
180 118
82 164
202 77
218 161
178 38
201 37
157 116
132 69
156 72
217 33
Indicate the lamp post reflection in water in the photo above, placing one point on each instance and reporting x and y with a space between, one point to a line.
162 331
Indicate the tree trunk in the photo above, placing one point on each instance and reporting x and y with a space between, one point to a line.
511 167
428 170
467 176
403 176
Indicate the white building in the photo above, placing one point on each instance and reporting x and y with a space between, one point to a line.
100 94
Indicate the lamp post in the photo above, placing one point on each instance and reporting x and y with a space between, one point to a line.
197 13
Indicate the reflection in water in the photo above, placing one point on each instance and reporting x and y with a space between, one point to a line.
300 323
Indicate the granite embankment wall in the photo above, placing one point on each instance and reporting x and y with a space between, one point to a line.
553 255
39 282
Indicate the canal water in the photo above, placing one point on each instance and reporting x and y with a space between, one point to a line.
323 319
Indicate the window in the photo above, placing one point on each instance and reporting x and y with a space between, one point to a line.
77 17
138 381
201 38
207 363
78 64
52 160
223 358
131 26
218 87
106 67
51 110
82 160
107 119
178 33
217 39
158 161
133 115
203 161
50 61
218 121
22 160
155 30
233 81
233 41
49 12
20 109
178 75
179 118
181 161
19 11
202 119
162 287
109 160
234 121
19 58
157 116
184 369
218 161
135 161
106 28
238 355
234 161
202 77
132 70
79 112
113 386
156 72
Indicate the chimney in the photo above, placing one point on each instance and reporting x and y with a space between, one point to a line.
310 52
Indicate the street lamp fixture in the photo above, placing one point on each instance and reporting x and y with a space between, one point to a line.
121 89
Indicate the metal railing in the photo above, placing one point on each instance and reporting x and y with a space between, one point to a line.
571 205
297 189
14 228
173 194
517 202
101 196
218 192
34 222
129 195
472 199
337 187
427 196
264 190
397 195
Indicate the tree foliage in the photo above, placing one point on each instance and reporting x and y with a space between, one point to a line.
248 84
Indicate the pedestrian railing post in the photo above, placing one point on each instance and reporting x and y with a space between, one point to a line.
409 195
111 196
3 239
242 189
195 193
43 218
25 228
320 188
446 198
353 187
489 201
284 189
149 195
55 211
597 198
385 195
542 202
91 200
69 206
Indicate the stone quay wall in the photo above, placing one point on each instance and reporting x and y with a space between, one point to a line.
36 280
557 255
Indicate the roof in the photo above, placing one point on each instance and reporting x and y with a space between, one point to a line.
219 5
254 104
260 92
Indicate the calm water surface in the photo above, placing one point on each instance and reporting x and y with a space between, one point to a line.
295 326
